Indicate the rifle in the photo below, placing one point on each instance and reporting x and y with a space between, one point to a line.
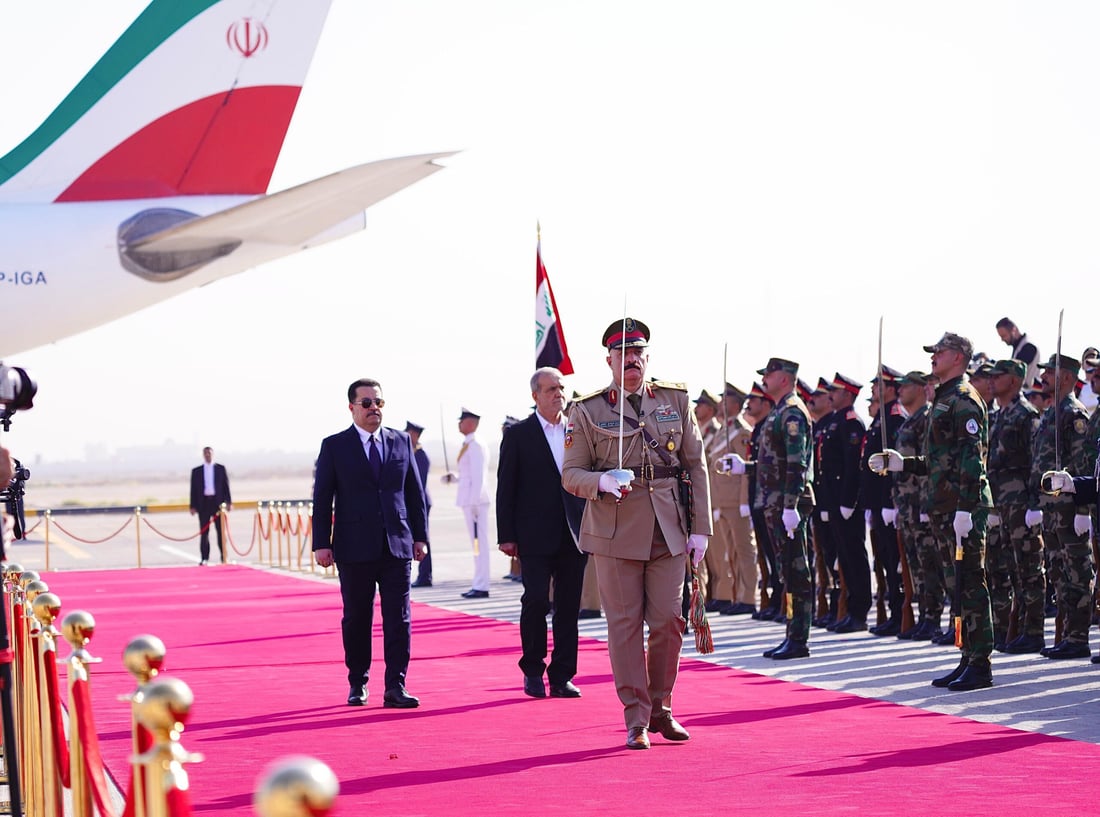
881 587
906 584
821 571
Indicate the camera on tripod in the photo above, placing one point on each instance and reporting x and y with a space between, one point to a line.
17 392
11 497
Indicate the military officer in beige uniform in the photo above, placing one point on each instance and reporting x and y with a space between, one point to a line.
639 534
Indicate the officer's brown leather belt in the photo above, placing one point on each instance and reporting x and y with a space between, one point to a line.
649 472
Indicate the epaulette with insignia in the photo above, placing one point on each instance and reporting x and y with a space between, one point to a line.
668 384
596 393
895 409
851 415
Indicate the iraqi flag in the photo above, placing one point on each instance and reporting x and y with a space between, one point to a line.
550 348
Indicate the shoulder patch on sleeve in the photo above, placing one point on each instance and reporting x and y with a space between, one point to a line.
972 426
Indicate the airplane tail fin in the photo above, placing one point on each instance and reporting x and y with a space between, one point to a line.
194 98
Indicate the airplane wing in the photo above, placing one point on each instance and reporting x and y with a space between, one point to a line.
292 217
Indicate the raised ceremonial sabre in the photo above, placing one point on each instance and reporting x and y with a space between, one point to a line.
443 440
1057 401
622 475
881 385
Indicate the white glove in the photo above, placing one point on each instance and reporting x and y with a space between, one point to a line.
1057 482
867 517
924 518
717 514
610 485
731 464
745 511
791 519
847 512
824 516
1033 519
890 516
696 548
887 460
993 521
1082 524
964 523
449 477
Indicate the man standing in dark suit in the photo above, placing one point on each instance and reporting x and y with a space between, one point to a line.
539 522
368 474
209 489
424 570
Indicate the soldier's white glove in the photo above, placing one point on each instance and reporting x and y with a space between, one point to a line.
717 513
745 511
610 485
924 518
887 460
963 524
449 477
847 512
993 521
890 516
867 517
824 516
731 464
696 548
1082 524
1033 519
1055 482
791 520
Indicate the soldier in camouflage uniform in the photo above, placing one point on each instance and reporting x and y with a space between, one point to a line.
910 493
784 470
1065 538
959 500
1010 436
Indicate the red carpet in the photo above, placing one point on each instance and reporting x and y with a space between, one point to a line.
262 654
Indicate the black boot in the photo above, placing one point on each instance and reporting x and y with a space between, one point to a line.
978 675
774 650
954 675
792 649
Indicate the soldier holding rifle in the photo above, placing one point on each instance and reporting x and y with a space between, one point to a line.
959 502
642 518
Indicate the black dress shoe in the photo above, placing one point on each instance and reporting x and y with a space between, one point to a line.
851 625
667 726
888 627
952 676
840 622
775 649
422 583
476 594
792 649
586 613
926 632
357 695
715 605
907 635
1095 659
398 698
975 676
946 638
1068 649
739 608
636 738
566 690
1025 644
533 686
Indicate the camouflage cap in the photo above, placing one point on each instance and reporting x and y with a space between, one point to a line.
1066 364
913 378
954 342
706 398
626 333
1016 368
778 364
982 371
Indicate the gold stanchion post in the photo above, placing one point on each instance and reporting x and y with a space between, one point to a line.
143 658
77 628
29 765
296 786
223 520
163 709
137 527
46 607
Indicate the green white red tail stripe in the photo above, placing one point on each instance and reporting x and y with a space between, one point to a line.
195 98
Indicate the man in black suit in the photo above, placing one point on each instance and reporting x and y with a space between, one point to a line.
369 475
539 522
209 489
424 570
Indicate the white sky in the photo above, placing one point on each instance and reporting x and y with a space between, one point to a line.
771 176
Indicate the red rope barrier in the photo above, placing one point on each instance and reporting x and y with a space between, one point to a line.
93 761
229 536
144 743
61 746
179 803
93 541
163 535
32 528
